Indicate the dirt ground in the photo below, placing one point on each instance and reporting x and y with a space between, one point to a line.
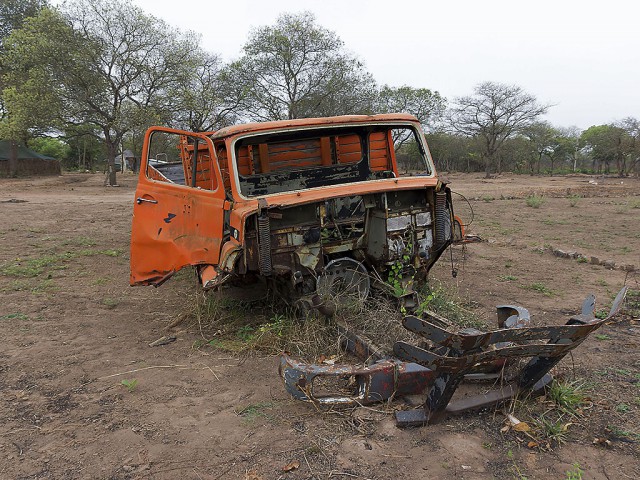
73 330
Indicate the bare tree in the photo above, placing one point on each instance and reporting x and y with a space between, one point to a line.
494 113
137 59
204 101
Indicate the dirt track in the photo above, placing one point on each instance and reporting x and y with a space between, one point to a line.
73 330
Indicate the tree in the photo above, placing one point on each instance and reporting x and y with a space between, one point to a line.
427 106
541 136
13 14
453 152
205 101
51 147
631 126
107 64
137 61
606 144
29 99
494 113
297 69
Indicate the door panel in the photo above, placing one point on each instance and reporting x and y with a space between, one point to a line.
175 225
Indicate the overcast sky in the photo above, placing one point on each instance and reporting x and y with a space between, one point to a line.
581 56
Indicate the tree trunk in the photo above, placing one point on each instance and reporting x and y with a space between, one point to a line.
111 159
13 158
487 162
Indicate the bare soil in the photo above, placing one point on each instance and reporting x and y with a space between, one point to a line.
73 330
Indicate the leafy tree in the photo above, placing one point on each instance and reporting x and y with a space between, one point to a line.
606 144
454 152
30 99
297 69
52 147
515 155
13 14
631 126
106 64
427 106
86 147
541 136
494 113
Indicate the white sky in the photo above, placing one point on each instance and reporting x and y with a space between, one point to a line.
582 56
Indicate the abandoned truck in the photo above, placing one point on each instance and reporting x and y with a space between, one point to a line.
318 208
312 206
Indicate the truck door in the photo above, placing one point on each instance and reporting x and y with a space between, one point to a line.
179 206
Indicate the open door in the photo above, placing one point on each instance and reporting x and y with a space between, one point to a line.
178 213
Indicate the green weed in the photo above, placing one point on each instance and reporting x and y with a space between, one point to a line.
444 304
541 288
535 201
552 430
574 199
622 408
507 278
622 433
110 302
33 267
107 252
575 472
602 336
256 410
14 316
570 397
130 384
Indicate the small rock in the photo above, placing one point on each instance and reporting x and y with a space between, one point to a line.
594 261
610 264
128 468
628 268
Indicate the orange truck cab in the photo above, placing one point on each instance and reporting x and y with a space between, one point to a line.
312 206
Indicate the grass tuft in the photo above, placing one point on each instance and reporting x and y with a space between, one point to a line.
535 201
569 396
541 288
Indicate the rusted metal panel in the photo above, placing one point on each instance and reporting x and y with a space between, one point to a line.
365 385
464 353
443 367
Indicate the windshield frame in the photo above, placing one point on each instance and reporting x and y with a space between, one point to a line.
356 127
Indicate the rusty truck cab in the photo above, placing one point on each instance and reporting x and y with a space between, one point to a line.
306 204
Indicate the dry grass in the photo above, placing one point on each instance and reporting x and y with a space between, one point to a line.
270 326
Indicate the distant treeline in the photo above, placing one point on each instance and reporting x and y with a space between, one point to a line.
83 81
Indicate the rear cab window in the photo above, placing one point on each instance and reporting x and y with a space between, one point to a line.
301 159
